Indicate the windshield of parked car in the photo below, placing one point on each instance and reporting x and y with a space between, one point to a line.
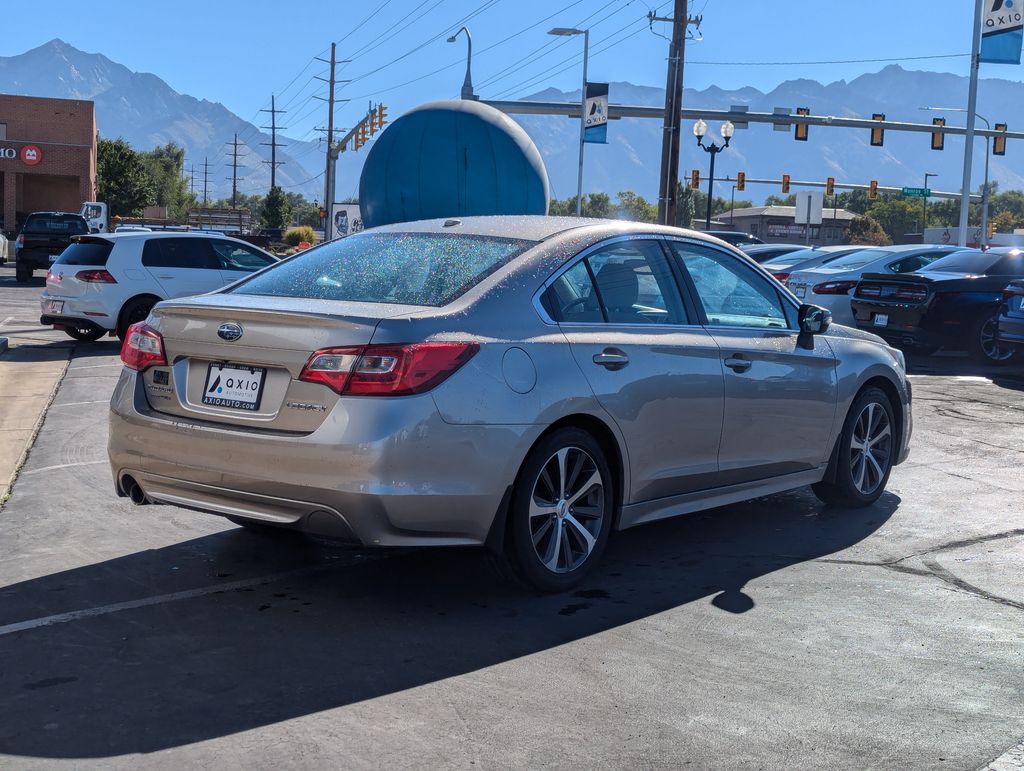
974 262
406 268
859 258
56 224
791 258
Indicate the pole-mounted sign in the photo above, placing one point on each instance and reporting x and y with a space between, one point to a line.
1002 31
595 119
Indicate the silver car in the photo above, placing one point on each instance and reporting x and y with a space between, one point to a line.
530 384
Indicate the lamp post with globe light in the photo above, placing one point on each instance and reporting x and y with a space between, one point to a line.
700 128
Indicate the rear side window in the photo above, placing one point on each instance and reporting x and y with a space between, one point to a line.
234 256
912 263
86 253
56 224
192 253
408 268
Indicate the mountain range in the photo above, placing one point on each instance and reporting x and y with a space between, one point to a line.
146 111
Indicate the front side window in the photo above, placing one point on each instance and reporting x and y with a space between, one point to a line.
407 268
234 256
624 283
731 294
194 253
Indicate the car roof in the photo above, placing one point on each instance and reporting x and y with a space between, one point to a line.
147 234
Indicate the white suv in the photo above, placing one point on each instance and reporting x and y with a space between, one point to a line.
104 283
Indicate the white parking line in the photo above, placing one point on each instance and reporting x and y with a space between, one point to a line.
1011 760
79 404
103 610
9 318
97 366
62 465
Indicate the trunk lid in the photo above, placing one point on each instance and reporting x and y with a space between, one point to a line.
277 337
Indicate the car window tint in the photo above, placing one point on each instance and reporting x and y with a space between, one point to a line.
93 253
56 224
408 268
635 284
1010 265
732 294
970 261
572 299
234 256
912 263
192 253
859 258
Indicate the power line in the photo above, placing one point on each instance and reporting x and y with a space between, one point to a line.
274 163
234 170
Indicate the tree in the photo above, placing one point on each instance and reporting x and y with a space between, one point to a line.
780 200
594 205
864 230
856 201
124 182
686 206
276 211
1004 222
897 216
304 212
165 165
635 207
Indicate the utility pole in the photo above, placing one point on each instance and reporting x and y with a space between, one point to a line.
669 186
329 168
972 102
274 144
192 178
234 171
206 178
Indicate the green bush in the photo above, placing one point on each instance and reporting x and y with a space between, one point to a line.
296 236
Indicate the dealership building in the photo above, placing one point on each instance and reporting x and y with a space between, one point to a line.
47 156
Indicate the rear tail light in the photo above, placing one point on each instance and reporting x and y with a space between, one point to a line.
95 277
916 293
1012 291
834 287
869 290
143 347
387 370
783 277
21 240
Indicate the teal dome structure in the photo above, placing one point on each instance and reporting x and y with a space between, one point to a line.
450 159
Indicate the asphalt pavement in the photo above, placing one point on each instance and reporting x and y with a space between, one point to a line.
774 633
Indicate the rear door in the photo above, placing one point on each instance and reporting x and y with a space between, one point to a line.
182 265
780 398
237 260
658 377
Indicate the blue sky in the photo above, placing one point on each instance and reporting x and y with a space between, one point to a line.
238 53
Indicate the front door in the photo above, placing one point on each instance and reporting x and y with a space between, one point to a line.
659 379
780 397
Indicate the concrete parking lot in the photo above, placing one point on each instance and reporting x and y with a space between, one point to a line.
775 633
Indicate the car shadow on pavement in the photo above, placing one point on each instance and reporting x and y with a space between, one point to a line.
1007 375
32 352
359 626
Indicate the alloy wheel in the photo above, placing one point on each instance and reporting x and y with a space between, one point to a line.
566 509
990 346
870 448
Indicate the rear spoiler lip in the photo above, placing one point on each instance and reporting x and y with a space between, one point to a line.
912 278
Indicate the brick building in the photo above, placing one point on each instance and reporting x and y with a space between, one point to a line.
47 156
777 225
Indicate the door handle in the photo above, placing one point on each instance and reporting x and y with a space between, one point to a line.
165 277
611 358
738 364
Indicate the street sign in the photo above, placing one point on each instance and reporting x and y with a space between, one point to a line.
917 192
808 207
595 120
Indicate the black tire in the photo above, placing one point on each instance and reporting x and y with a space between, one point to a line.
849 486
22 273
85 334
982 344
134 310
528 534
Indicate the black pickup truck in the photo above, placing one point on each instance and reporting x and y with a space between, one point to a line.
43 237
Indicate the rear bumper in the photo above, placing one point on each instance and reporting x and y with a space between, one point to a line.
381 472
79 311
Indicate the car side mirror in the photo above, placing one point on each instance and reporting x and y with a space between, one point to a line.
813 319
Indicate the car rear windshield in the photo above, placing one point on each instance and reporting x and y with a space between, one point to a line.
859 258
86 253
975 262
56 224
406 268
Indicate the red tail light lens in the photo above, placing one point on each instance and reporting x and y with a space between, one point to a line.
387 370
869 290
1012 291
143 347
783 277
95 277
21 240
834 287
916 293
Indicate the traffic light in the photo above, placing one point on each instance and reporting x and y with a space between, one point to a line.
991 230
371 119
999 143
800 129
873 190
360 137
322 214
830 186
938 137
741 181
785 184
877 134
382 116
695 179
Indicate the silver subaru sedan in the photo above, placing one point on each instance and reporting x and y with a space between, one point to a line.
528 384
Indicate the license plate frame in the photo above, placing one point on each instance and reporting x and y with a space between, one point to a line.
880 320
54 307
220 374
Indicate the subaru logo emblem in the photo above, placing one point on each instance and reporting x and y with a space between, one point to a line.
229 332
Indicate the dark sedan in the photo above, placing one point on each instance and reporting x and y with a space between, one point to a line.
1010 333
761 253
951 303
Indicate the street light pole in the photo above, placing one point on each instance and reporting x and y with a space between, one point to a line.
972 103
568 32
467 84
700 128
